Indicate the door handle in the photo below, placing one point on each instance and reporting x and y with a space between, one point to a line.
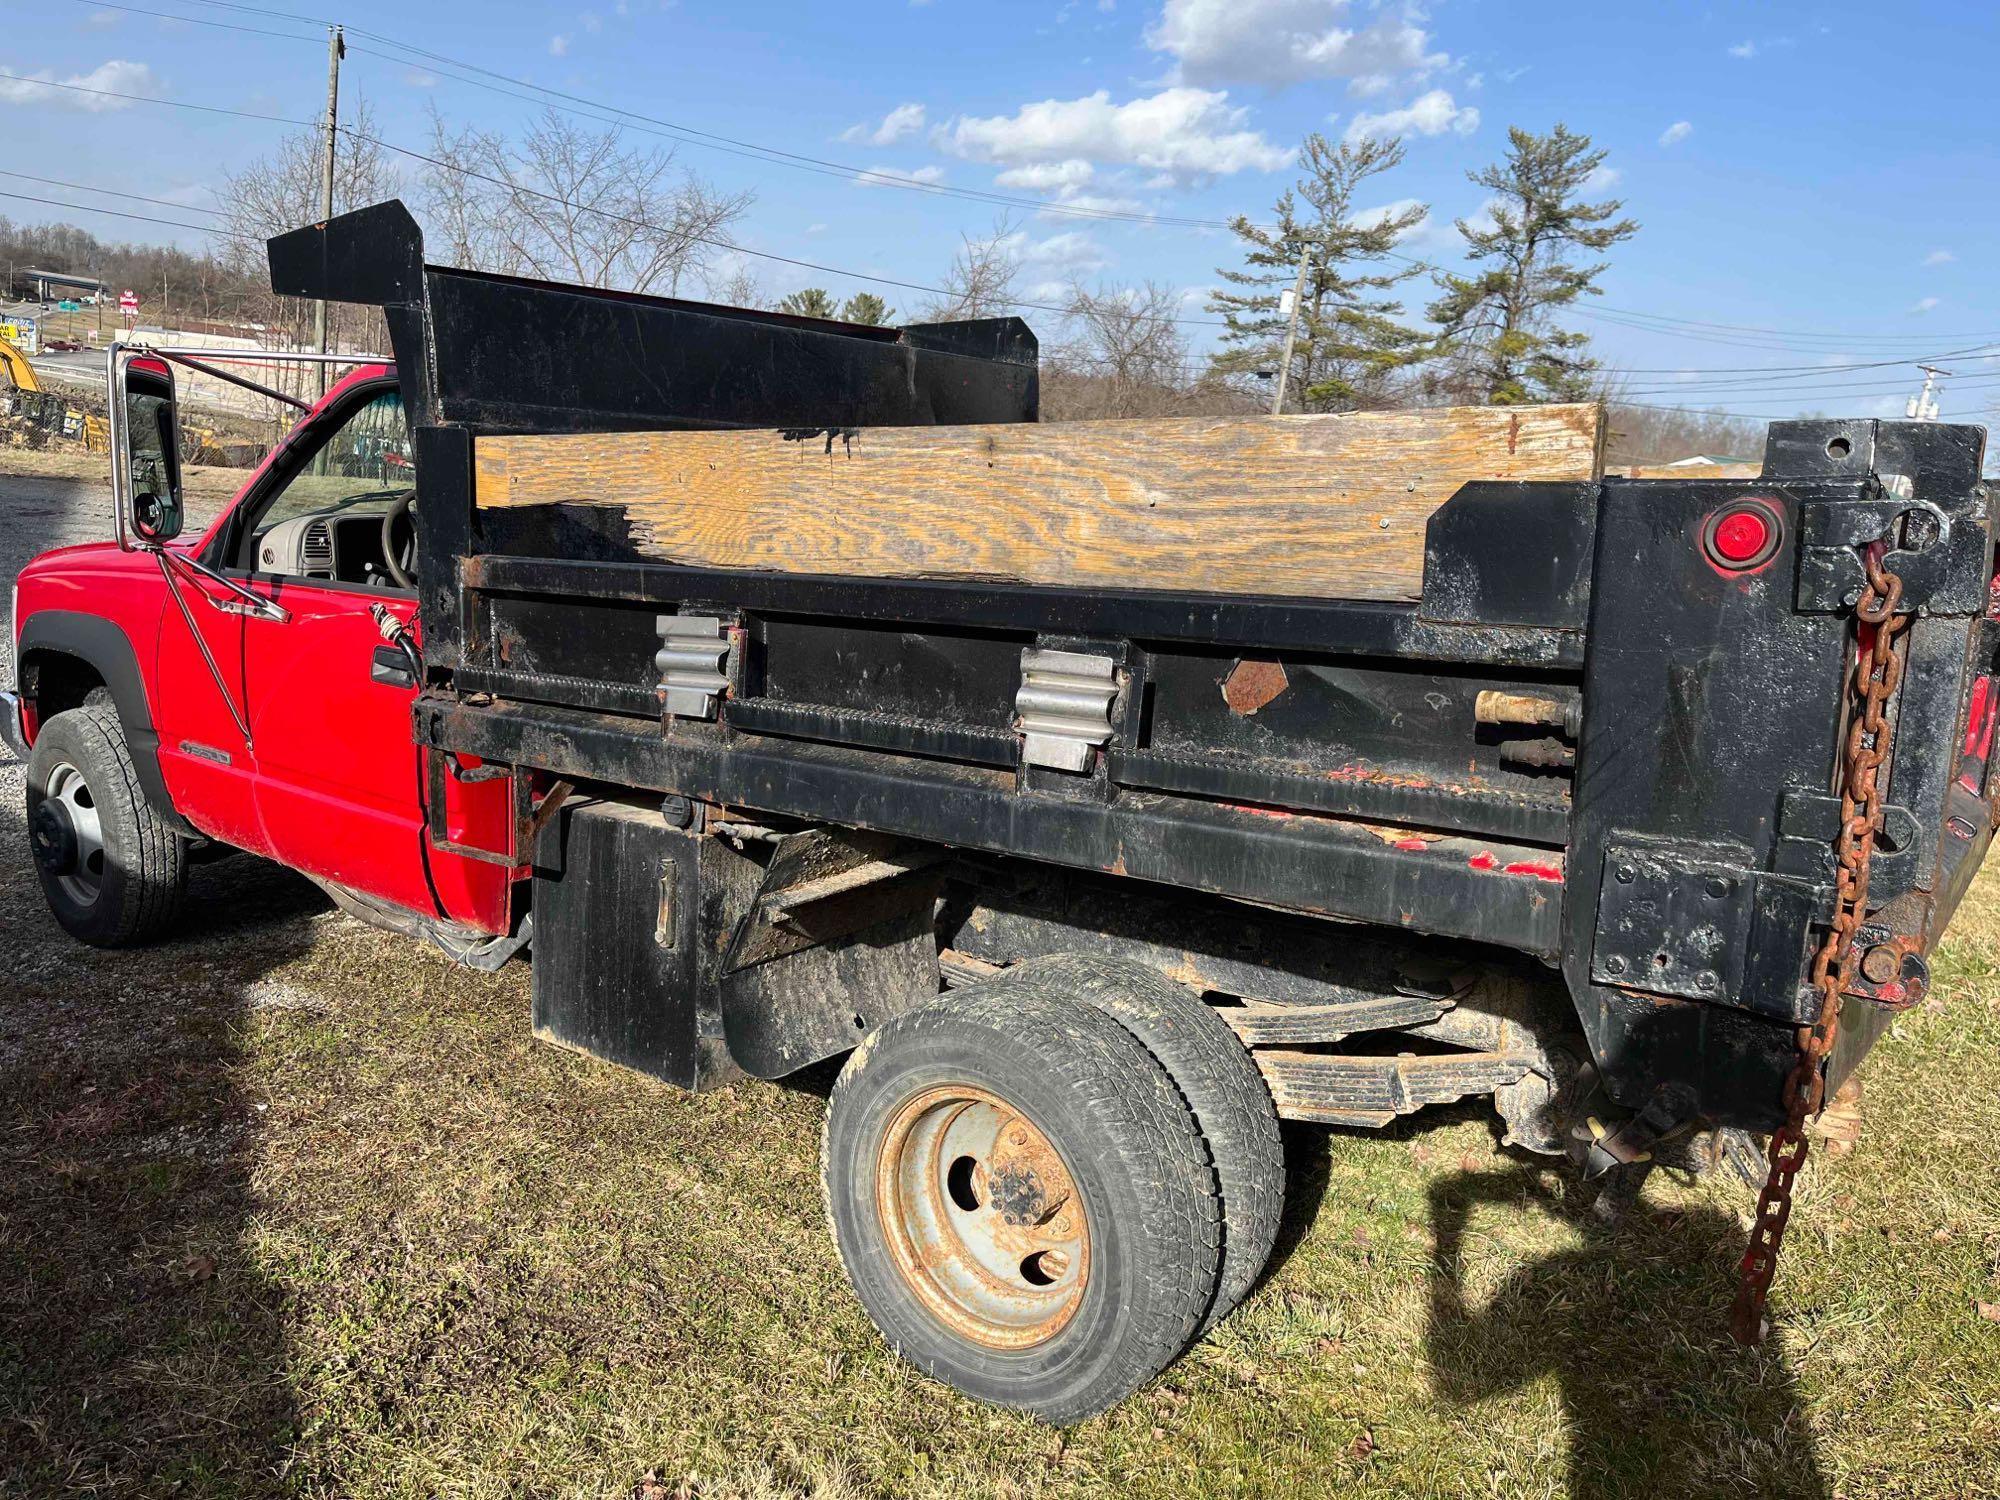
392 668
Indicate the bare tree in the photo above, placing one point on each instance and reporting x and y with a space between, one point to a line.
734 283
1129 334
980 283
281 191
460 207
1122 353
566 203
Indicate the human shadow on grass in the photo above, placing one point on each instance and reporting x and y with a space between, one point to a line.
141 1350
1631 1323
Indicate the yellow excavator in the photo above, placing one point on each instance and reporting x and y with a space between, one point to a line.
19 370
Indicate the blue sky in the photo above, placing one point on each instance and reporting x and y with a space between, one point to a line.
1814 182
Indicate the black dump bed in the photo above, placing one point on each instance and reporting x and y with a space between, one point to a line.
1585 742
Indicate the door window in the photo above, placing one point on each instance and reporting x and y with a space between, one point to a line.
325 518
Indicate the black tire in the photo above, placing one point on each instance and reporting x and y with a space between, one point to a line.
1217 1076
128 890
1125 1138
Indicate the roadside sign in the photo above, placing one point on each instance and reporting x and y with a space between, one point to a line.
128 304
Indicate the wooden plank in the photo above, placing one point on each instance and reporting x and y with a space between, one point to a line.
1318 506
1692 471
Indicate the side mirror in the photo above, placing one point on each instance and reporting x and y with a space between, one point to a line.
145 451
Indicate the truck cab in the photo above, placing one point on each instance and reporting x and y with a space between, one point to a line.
246 678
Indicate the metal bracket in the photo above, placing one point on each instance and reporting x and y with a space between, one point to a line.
1063 707
692 661
1833 532
1696 922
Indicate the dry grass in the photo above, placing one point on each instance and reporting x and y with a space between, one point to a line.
290 1207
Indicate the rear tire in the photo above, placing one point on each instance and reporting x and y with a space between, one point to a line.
1002 1121
111 870
1217 1076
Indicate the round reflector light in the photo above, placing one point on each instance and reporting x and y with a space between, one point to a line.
1743 535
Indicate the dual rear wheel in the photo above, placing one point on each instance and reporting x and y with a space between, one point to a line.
1045 1186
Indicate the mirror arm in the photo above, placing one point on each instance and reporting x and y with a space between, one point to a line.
253 601
114 436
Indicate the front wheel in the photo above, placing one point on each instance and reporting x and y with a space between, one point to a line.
111 870
1022 1199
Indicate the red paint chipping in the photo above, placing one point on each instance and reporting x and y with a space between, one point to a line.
1484 860
1415 846
1979 721
1540 872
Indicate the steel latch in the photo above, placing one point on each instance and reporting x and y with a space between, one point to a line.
1063 707
1832 534
691 660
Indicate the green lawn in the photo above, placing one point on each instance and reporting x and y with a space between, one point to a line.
289 1206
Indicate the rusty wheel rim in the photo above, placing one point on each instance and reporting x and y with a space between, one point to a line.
983 1219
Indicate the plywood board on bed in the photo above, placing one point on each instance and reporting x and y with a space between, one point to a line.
1325 506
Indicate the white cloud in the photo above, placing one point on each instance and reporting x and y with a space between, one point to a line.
417 78
815 229
103 18
921 176
1602 178
1745 50
1924 304
1279 42
904 120
559 45
115 77
1073 251
592 22
1047 176
1428 114
1188 132
1939 258
1675 133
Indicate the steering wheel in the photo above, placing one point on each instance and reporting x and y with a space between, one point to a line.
399 554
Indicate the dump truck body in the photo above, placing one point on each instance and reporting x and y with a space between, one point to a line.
768 677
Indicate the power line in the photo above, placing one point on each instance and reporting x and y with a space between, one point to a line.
119 213
675 131
84 187
1648 322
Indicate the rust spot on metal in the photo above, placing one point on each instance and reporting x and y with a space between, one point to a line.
1251 684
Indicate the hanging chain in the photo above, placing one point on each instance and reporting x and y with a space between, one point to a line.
1877 670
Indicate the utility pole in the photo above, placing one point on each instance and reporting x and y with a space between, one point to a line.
1923 407
1291 331
336 49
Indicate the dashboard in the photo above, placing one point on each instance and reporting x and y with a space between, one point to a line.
333 547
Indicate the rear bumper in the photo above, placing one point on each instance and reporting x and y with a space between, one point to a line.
10 725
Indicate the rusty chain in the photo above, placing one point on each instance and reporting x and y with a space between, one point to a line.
1877 669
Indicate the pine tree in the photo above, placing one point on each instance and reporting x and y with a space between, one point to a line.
1498 322
866 307
809 302
1350 339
